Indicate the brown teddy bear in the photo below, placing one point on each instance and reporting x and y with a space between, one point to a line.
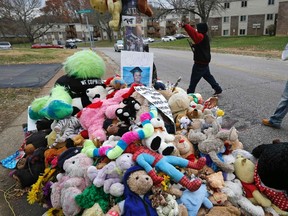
137 190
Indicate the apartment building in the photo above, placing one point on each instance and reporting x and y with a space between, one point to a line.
250 17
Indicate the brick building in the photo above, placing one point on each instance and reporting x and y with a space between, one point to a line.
250 17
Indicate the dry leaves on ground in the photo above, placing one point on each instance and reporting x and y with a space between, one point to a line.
13 102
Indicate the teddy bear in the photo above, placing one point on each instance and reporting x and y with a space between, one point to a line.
215 182
178 102
114 7
172 208
110 176
234 191
71 183
35 140
224 211
185 147
143 155
28 173
244 171
137 189
233 141
271 175
194 200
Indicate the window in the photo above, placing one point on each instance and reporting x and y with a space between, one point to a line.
242 31
226 32
269 17
226 5
244 4
270 2
226 19
243 18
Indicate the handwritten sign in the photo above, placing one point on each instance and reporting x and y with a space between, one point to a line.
156 99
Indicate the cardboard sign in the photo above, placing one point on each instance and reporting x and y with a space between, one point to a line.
31 124
156 99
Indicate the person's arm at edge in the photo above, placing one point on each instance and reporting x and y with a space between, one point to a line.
196 36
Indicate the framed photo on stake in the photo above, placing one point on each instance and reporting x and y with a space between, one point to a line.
137 67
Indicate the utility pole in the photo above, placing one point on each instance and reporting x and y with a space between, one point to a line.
90 36
85 11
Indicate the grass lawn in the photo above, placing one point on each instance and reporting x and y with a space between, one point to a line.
246 45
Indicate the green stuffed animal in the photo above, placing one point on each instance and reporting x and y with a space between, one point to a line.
84 70
55 106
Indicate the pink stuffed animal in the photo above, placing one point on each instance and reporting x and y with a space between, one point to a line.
92 117
71 183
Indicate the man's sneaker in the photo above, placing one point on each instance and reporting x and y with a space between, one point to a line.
266 122
216 93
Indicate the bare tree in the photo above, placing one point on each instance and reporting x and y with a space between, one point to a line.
202 8
23 14
101 21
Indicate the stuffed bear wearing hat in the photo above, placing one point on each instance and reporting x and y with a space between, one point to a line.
137 190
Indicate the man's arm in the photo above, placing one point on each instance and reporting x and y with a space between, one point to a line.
196 36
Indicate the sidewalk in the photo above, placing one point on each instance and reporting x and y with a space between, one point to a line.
11 139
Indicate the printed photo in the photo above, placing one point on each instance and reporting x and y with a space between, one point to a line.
136 67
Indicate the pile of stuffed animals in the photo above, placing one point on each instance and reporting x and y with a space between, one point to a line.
102 148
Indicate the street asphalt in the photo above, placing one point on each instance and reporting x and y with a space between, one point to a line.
32 75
